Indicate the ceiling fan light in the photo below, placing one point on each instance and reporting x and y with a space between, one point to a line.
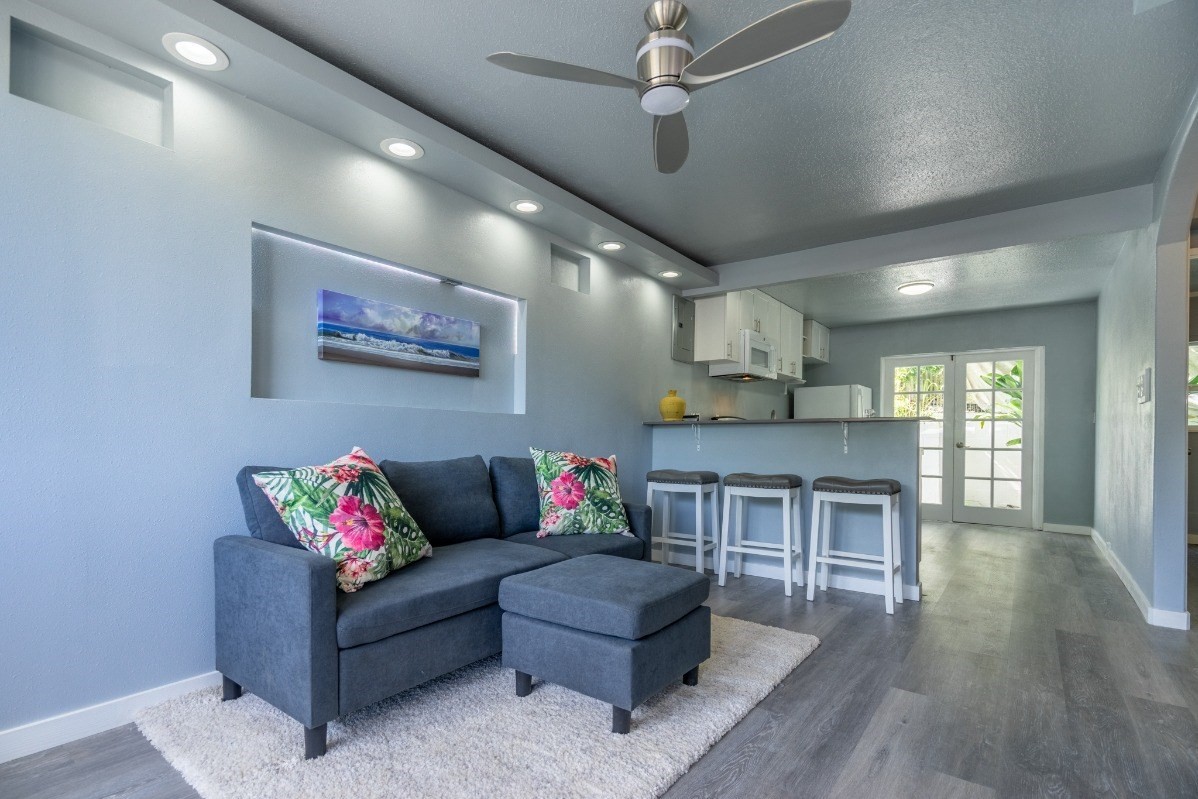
669 98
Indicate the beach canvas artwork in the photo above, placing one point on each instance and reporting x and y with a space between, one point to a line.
368 331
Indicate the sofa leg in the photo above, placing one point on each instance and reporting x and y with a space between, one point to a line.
315 741
621 720
523 684
691 677
229 689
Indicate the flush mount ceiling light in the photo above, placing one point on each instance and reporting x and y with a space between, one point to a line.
611 246
670 273
526 206
916 287
195 52
402 148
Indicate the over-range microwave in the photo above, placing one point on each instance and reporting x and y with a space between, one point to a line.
752 357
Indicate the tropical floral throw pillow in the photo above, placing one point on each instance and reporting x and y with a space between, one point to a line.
348 511
578 495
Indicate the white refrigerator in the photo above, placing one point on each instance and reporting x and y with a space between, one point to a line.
833 402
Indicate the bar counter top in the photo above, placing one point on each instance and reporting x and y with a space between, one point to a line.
721 422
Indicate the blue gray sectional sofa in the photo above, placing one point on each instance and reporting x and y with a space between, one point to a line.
285 633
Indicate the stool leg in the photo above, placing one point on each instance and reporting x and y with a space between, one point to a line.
896 524
715 523
654 522
742 521
724 533
787 543
813 547
797 531
699 529
826 543
667 506
888 558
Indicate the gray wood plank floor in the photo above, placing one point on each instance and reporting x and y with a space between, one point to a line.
1026 671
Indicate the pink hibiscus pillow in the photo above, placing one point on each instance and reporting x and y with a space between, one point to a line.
348 511
578 495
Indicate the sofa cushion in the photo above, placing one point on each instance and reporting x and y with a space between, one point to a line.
578 495
263 521
456 579
514 483
347 511
449 499
575 546
610 596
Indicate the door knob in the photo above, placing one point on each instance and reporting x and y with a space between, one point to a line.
960 445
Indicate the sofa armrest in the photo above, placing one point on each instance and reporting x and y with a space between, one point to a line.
640 520
276 625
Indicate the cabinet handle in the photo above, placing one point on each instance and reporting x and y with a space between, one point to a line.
729 349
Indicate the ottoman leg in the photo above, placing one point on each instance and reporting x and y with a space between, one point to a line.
691 677
523 684
621 720
229 689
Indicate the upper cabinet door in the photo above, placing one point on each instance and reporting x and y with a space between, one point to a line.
790 351
815 344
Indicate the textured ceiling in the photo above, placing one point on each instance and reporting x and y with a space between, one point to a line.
917 112
1013 277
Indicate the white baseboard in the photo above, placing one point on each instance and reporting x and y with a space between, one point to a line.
57 730
775 572
1072 529
1173 619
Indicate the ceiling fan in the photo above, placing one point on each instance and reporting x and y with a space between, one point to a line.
668 70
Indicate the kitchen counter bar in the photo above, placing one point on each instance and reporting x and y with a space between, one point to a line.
810 448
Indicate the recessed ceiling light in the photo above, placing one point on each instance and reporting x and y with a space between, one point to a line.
526 206
195 52
669 273
611 246
402 148
916 287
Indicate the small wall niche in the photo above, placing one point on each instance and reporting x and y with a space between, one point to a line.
289 274
58 73
569 270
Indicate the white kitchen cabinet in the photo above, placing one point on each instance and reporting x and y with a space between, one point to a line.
767 317
815 342
790 349
718 322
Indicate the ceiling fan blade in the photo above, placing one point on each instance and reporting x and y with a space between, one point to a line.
543 67
671 143
779 34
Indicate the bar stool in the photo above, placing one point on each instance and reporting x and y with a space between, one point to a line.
697 484
881 492
785 487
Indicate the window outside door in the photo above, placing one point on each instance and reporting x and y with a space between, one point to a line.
977 453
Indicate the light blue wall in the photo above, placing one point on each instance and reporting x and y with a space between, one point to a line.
1067 333
126 276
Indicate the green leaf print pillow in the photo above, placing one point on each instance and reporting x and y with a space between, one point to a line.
349 512
578 495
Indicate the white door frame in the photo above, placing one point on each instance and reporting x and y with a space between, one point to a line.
1037 482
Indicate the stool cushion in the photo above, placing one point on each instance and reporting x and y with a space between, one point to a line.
605 594
846 485
681 478
750 480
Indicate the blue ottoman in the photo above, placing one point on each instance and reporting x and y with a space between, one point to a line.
615 629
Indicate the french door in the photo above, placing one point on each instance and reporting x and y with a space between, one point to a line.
977 438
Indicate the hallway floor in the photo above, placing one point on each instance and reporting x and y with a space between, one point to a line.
1026 671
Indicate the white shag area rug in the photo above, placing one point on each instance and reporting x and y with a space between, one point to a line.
467 734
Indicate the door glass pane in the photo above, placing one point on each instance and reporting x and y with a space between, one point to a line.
931 405
1008 464
931 491
930 462
906 405
1008 404
978 434
977 463
931 434
977 493
1008 374
1193 408
979 374
931 378
905 379
979 404
1008 494
1008 435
